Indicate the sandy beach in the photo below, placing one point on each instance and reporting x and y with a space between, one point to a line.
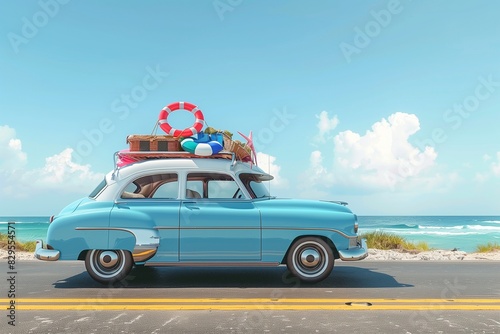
373 255
434 255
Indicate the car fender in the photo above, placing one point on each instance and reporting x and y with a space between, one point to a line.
134 231
72 234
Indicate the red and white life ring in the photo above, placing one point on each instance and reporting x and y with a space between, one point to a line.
187 132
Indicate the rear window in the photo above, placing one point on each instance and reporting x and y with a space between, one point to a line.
98 189
163 186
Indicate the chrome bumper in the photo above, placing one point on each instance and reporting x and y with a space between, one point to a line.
355 253
46 254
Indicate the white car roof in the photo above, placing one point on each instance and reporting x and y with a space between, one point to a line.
179 164
117 179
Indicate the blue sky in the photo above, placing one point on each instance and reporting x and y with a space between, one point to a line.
392 106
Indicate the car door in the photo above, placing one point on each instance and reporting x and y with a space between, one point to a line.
216 223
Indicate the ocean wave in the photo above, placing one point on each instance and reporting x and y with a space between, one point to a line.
33 222
482 227
406 227
462 227
436 232
456 227
398 226
443 231
23 219
491 221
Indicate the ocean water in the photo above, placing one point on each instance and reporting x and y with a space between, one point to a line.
440 232
27 228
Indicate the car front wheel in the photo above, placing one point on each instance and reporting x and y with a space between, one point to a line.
108 266
310 259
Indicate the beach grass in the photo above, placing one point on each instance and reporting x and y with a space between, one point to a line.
20 246
489 247
387 241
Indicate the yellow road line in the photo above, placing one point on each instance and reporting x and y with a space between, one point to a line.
234 304
237 307
249 300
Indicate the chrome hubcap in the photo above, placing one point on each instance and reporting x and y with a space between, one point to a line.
108 259
310 257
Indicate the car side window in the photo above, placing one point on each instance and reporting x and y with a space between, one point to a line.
167 190
212 185
194 188
222 188
162 186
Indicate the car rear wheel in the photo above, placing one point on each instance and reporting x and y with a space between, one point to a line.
310 259
108 266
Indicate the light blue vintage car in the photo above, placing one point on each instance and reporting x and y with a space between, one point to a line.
199 212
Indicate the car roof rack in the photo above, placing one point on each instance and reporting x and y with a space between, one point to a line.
136 156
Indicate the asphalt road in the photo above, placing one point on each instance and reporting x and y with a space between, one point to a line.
359 297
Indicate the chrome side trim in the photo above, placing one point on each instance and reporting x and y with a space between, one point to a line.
146 240
45 254
143 236
313 229
208 228
212 264
355 253
336 202
256 228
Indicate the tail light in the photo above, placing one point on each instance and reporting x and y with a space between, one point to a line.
51 219
356 227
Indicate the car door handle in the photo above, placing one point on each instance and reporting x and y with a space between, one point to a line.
191 204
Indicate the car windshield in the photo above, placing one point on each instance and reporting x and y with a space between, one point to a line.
254 185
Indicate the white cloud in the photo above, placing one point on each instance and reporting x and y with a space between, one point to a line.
61 171
316 180
495 166
267 164
383 156
58 178
317 171
11 149
325 126
481 177
381 159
